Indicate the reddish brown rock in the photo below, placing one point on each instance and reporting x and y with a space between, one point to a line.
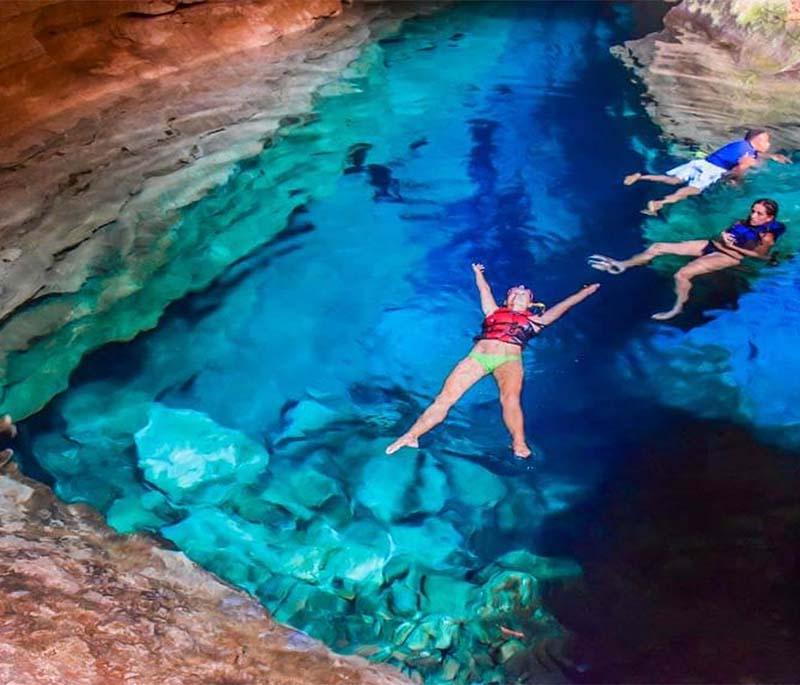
57 56
82 605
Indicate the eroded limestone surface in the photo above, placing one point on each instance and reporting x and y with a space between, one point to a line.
720 66
82 605
113 123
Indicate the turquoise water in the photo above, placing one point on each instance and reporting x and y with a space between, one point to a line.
248 428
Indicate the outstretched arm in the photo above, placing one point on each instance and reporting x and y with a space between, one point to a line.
488 305
558 310
776 157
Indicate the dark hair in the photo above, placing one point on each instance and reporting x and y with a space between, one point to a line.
751 133
771 206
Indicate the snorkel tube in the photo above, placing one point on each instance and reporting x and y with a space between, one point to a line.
538 308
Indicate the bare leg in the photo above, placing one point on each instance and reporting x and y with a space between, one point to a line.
466 373
630 179
654 206
685 248
683 279
509 381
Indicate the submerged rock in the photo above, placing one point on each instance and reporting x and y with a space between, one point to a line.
435 544
543 568
475 485
443 594
193 459
307 416
384 486
394 489
139 510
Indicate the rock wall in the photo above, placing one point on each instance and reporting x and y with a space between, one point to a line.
720 66
82 605
115 116
118 115
56 57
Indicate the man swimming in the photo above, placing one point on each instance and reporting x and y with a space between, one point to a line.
497 351
751 237
732 160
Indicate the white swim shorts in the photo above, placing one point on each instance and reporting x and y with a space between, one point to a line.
698 173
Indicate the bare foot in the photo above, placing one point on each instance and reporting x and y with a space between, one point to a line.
663 316
522 451
7 426
602 263
5 457
403 441
630 179
653 207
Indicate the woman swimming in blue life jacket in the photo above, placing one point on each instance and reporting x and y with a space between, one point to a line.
751 237
497 351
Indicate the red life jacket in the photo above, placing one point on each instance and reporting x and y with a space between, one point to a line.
509 326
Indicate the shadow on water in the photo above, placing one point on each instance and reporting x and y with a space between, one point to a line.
691 552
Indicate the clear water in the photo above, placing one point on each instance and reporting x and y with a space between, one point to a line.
248 428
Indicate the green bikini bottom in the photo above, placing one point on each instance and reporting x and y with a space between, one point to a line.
492 361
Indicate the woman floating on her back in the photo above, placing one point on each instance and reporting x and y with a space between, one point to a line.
498 351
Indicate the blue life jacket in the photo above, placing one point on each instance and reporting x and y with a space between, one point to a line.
749 237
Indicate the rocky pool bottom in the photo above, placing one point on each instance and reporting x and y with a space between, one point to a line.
411 560
688 557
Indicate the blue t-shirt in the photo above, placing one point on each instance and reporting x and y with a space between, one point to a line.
749 237
728 156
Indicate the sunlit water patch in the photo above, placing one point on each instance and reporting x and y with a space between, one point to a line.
249 427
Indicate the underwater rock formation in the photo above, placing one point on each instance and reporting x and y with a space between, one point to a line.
308 533
118 118
720 66
81 604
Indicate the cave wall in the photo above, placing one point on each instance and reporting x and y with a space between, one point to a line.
721 66
56 55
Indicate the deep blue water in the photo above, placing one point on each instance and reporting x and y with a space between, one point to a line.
489 132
